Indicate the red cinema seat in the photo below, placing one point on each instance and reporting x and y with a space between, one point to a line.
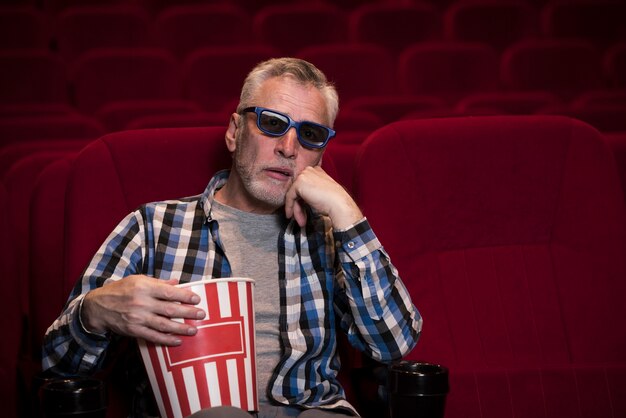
79 29
601 22
394 25
32 76
615 65
114 74
603 117
117 114
23 27
73 126
213 76
180 120
507 102
343 150
395 107
291 27
357 120
510 234
494 22
448 69
601 97
48 291
20 181
186 27
617 143
11 311
12 153
563 67
356 69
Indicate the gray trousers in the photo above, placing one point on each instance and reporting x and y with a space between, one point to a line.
276 412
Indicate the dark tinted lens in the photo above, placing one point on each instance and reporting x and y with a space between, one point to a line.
313 134
273 123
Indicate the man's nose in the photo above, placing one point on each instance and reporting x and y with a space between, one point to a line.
287 145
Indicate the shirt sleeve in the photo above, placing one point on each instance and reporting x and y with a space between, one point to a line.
68 348
378 313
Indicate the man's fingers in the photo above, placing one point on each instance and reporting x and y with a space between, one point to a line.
299 212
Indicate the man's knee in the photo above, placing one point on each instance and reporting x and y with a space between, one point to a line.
221 412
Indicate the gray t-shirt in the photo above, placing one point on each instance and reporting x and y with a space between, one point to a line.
250 243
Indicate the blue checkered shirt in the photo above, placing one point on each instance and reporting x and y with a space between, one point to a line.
326 277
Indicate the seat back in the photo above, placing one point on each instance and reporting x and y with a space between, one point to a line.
186 27
496 23
509 232
213 75
32 76
448 69
394 25
11 311
47 290
79 29
564 67
104 75
356 69
280 25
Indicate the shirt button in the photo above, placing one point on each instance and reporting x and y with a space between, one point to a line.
351 244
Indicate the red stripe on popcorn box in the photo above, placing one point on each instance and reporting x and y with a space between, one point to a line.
221 339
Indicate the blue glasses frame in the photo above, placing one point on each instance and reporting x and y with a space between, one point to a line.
301 127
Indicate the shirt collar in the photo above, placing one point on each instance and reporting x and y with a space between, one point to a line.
217 182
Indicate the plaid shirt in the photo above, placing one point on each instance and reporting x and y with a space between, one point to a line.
324 276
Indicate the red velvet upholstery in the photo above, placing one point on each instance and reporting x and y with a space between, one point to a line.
510 233
615 65
82 28
495 22
23 27
599 21
513 102
394 26
564 67
48 292
314 24
104 75
617 143
10 310
448 69
394 107
356 69
214 75
26 128
186 27
20 181
116 115
28 76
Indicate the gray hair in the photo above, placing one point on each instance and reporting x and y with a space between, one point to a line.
304 72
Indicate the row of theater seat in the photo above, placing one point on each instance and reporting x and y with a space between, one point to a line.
394 25
210 76
509 232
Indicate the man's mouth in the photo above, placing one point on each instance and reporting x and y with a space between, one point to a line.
279 173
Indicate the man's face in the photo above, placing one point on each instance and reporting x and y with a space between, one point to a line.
266 166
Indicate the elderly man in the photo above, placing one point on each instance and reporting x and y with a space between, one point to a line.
275 216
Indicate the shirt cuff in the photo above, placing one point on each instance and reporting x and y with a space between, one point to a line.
95 335
357 241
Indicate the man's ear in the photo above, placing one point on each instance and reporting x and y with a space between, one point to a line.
231 132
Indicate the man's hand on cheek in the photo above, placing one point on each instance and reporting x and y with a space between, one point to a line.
314 188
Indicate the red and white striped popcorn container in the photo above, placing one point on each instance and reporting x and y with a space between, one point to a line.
215 367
